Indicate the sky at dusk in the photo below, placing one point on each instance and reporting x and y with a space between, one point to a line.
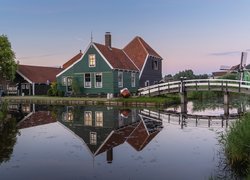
200 35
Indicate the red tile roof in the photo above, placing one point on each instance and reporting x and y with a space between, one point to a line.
72 60
138 50
140 137
36 119
116 57
39 74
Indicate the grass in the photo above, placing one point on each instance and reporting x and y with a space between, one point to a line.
162 100
237 146
166 100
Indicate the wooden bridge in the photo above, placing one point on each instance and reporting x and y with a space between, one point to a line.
223 85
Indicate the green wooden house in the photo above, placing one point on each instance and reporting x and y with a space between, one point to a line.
103 69
100 70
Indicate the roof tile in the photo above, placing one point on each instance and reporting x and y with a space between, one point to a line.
39 74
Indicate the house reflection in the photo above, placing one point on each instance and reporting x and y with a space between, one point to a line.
103 128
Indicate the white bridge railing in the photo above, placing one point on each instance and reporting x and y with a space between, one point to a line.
195 85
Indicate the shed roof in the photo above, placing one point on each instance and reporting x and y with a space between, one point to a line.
38 74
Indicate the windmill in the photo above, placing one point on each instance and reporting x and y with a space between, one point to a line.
240 68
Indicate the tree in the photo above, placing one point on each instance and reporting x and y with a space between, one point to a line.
8 65
189 74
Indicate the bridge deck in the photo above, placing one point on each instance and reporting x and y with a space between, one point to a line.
223 85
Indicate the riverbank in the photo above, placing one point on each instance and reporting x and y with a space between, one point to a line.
132 101
237 146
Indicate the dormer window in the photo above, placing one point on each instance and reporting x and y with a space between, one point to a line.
92 60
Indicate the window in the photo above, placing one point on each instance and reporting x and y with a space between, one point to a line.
120 79
67 81
98 80
99 118
87 80
88 118
155 65
146 83
92 61
132 79
93 138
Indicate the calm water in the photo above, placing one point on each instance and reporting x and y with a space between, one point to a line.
109 143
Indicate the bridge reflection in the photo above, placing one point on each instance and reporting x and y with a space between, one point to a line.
193 120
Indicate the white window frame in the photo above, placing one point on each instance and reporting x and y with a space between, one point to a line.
88 118
97 85
93 138
99 119
67 80
87 84
92 60
120 83
133 79
147 83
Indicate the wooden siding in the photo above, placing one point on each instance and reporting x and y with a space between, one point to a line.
109 76
149 73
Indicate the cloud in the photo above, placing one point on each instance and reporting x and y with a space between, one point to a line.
226 53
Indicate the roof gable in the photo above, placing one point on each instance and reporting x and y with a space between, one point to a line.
38 74
138 50
116 57
72 60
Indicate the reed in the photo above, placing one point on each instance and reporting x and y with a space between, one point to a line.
237 146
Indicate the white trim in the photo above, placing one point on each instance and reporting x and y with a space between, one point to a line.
120 84
75 61
133 83
144 64
95 79
143 46
24 77
84 85
33 89
104 142
74 134
131 60
103 56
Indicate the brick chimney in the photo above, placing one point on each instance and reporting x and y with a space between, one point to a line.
108 39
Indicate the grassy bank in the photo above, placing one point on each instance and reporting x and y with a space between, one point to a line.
237 146
131 101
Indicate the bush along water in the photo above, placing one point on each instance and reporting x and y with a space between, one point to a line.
237 146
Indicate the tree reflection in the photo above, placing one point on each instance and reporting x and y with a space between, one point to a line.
8 132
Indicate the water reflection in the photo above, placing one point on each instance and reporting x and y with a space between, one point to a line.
8 133
121 143
104 128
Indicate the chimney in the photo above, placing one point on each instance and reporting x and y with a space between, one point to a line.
108 39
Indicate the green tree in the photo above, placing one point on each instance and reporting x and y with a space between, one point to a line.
189 74
8 65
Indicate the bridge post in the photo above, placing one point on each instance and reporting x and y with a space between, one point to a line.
226 103
183 96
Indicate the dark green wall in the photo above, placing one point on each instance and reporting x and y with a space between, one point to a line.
109 76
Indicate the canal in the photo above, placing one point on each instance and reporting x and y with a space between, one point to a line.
79 142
